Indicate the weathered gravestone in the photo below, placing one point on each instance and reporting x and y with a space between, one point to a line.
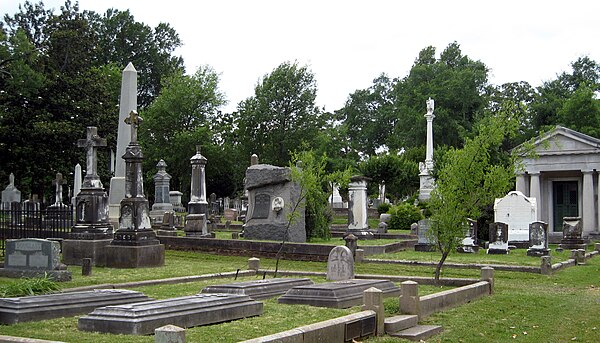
231 214
92 231
338 294
498 238
162 201
517 211
340 264
134 244
469 244
144 317
572 234
175 199
272 196
197 218
358 221
259 289
34 257
48 306
10 194
424 243
58 214
538 239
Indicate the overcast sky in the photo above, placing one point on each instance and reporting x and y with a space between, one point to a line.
349 43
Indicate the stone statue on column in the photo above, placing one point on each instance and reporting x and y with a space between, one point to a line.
425 168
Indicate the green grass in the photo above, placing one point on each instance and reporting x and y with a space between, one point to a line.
556 308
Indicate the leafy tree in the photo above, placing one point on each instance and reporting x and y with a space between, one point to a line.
280 116
401 175
468 180
581 112
179 119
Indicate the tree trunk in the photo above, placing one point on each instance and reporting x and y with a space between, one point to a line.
438 268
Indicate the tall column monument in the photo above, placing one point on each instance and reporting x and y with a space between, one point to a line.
426 180
127 103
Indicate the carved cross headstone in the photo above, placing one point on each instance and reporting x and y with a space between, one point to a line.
134 120
91 144
59 182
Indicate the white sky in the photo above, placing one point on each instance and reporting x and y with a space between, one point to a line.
349 43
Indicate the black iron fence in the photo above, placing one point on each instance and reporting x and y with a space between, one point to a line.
35 222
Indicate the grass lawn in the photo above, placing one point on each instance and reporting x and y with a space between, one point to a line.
563 307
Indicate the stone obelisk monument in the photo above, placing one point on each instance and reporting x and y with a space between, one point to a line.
127 103
135 243
92 231
426 180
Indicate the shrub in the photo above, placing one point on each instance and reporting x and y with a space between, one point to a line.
403 215
383 208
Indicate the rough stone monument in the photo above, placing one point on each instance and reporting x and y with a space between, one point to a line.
358 221
498 238
10 194
135 244
340 264
517 211
58 214
538 239
272 195
162 201
175 200
34 257
426 180
197 218
77 181
572 234
92 231
127 103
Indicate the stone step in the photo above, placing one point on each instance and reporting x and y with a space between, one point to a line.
398 323
419 332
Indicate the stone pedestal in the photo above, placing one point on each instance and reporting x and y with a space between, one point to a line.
572 234
135 256
74 250
358 221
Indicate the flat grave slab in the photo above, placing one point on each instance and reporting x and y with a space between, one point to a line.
41 307
196 310
339 294
259 289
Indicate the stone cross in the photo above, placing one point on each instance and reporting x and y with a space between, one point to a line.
59 182
134 120
91 143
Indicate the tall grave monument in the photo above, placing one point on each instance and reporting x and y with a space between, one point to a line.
196 221
426 180
358 221
92 231
135 244
162 202
127 103
10 195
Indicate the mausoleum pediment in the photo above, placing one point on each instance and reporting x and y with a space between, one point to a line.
564 141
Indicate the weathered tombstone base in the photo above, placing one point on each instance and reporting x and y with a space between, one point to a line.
424 247
259 289
362 234
570 244
492 251
135 256
74 250
56 275
143 318
161 232
339 294
538 252
42 307
196 226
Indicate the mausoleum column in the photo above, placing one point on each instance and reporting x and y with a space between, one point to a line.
534 191
520 184
589 213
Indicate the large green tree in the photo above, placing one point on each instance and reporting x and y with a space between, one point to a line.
280 116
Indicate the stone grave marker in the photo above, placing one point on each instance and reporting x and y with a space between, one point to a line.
572 234
498 238
10 194
197 218
424 244
175 199
468 243
340 264
358 221
34 257
162 201
517 211
538 239
189 311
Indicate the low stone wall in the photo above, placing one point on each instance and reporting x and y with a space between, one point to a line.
342 329
447 299
387 248
509 268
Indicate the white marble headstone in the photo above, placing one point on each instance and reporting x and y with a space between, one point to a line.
518 211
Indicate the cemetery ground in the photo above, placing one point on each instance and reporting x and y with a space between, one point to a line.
525 307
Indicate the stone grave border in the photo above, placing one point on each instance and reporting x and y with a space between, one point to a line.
546 267
291 251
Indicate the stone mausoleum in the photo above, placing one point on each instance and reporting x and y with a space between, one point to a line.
564 180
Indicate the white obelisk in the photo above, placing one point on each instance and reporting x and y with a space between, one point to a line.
426 180
127 103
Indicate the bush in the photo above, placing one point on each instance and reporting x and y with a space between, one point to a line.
30 286
403 215
383 208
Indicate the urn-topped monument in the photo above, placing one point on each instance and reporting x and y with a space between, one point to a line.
135 244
